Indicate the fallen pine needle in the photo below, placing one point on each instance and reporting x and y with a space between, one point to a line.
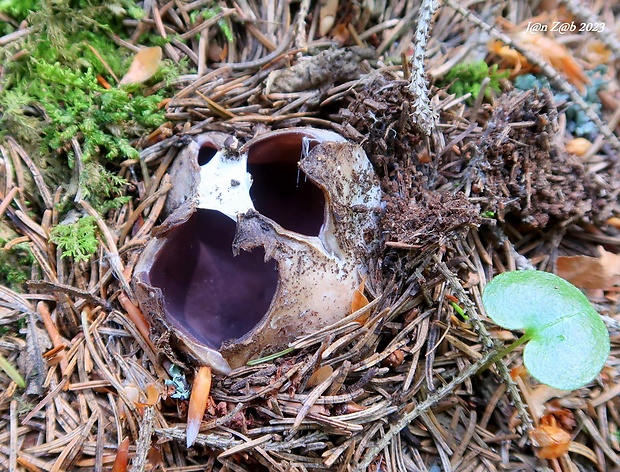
137 317
122 457
198 403
52 330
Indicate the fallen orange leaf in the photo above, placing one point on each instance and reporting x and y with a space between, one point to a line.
144 66
582 271
552 51
557 54
590 272
551 440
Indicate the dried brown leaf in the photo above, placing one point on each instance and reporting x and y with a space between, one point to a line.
144 66
320 375
590 272
582 271
551 441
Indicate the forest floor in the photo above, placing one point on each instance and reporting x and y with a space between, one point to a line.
510 162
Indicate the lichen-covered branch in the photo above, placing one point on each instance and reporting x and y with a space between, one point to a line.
422 111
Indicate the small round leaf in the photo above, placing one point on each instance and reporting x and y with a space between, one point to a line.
569 342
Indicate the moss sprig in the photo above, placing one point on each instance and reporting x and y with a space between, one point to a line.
15 265
76 240
467 78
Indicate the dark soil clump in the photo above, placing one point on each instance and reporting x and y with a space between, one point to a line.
515 164
428 217
379 119
416 213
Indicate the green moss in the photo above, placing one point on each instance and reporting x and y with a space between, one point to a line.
77 240
210 12
467 78
104 120
53 94
17 11
15 265
102 188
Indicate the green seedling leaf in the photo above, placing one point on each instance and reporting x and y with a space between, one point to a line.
568 341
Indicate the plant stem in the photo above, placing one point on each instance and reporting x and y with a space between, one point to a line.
12 372
423 112
479 327
505 351
271 357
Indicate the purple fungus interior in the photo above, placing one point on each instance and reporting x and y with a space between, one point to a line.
212 295
206 153
280 190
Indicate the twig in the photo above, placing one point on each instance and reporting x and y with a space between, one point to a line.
55 288
607 36
482 331
138 463
300 38
423 113
8 38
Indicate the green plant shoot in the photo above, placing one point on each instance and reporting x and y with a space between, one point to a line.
12 372
77 240
467 78
568 342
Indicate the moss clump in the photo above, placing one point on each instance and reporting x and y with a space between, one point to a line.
16 11
467 78
75 105
76 240
59 90
209 13
102 188
15 264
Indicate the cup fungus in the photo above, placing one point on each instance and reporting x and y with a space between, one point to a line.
308 198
